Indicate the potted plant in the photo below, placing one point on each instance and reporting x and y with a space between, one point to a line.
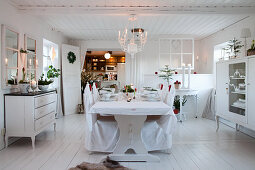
166 73
177 84
233 48
43 83
177 105
23 83
251 51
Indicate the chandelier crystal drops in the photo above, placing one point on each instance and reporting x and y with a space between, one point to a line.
132 39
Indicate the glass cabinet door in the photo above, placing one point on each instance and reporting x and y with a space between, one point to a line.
237 88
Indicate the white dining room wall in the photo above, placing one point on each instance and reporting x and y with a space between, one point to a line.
149 64
26 24
206 60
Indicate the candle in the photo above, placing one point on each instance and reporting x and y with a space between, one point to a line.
183 75
36 63
134 93
30 61
6 61
189 72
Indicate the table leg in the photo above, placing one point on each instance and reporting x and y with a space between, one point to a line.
130 138
196 107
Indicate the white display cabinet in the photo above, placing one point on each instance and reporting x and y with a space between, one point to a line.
235 88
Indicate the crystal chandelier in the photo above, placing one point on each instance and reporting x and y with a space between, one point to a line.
132 41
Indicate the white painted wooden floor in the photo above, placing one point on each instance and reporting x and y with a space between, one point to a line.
196 146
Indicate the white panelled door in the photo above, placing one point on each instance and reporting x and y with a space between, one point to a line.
222 89
71 77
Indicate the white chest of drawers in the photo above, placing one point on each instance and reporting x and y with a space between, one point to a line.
26 115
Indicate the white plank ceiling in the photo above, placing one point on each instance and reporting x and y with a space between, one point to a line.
102 19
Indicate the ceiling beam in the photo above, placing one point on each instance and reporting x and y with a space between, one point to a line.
141 10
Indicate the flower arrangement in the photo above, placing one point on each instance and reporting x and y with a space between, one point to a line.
51 74
44 82
128 89
177 84
23 80
177 104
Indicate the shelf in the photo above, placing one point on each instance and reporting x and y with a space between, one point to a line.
240 107
236 92
240 78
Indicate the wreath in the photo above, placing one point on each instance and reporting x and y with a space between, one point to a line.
71 57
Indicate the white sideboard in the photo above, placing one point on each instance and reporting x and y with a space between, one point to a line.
26 115
235 88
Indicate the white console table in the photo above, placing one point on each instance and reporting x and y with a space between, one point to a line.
28 114
186 92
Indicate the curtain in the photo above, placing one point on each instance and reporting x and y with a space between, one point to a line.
134 67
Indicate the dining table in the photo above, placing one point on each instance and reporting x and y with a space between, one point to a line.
130 116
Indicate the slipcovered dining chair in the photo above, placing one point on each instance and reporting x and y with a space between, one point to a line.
157 131
95 92
101 133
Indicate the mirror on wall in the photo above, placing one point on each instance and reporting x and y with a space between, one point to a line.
31 60
10 53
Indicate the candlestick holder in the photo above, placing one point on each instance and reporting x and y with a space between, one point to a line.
37 89
30 90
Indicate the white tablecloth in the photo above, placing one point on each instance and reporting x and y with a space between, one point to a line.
157 134
130 108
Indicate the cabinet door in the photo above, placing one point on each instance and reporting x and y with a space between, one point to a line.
251 93
222 88
237 90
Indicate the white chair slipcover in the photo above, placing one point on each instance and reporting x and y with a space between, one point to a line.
95 92
157 133
101 134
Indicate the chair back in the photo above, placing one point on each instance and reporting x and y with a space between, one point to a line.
95 93
88 103
169 100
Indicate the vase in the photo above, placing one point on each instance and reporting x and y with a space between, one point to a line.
177 86
23 88
250 52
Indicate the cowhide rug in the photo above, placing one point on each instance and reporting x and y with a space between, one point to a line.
107 164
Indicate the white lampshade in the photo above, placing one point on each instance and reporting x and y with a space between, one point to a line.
245 33
107 55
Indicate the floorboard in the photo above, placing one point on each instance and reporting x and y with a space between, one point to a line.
196 145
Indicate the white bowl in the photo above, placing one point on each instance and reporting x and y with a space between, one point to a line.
43 87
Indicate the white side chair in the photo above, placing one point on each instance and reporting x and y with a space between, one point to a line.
102 132
157 131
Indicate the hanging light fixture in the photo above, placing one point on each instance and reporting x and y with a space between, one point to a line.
107 55
132 40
